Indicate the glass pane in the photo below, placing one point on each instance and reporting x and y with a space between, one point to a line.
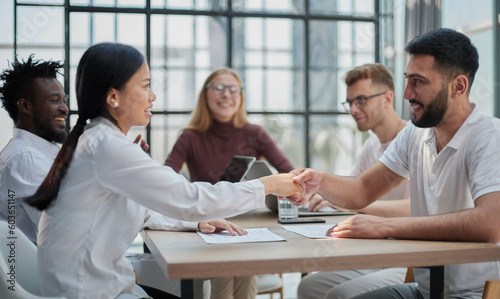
90 28
6 58
474 19
478 14
482 91
79 2
335 143
7 128
131 29
177 41
52 2
282 6
102 28
164 132
343 7
103 2
7 23
131 3
174 89
79 29
110 3
392 45
36 26
185 49
335 48
216 5
268 54
287 131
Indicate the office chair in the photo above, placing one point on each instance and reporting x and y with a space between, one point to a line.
491 287
270 284
25 281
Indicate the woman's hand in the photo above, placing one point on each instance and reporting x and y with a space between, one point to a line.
220 225
142 144
284 185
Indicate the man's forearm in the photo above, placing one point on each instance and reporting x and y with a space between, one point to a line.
388 208
476 225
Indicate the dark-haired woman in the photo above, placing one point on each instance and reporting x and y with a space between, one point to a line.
97 194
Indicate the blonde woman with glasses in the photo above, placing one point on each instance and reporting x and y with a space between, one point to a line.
217 131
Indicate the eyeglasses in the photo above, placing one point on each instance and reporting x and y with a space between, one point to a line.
221 88
360 102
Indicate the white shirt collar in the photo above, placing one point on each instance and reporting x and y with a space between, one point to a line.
457 140
46 147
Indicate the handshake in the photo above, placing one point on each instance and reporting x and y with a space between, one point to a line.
295 186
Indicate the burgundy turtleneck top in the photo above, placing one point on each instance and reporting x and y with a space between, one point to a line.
207 154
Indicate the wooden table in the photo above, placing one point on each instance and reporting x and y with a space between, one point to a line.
184 255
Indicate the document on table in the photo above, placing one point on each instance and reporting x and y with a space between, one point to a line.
313 231
254 235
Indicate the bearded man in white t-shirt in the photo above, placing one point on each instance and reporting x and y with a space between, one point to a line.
451 152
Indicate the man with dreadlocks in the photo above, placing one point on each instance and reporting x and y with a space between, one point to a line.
36 102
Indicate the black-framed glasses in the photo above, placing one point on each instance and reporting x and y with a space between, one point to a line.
360 102
221 88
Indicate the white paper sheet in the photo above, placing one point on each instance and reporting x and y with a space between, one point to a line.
313 231
254 235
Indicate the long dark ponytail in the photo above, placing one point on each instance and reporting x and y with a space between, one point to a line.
102 67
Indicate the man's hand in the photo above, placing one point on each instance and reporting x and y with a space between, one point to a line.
317 202
309 179
220 225
143 144
361 226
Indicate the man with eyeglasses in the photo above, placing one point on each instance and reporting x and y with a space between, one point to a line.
370 101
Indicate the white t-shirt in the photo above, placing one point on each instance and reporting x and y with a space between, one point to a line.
370 154
466 168
103 203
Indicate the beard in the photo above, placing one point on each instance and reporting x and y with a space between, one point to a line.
434 112
44 130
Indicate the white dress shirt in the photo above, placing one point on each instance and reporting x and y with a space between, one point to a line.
465 169
24 163
102 205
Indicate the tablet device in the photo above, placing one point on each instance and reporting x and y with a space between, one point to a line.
237 168
325 211
301 220
259 169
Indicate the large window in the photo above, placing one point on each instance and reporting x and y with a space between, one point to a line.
478 26
291 55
